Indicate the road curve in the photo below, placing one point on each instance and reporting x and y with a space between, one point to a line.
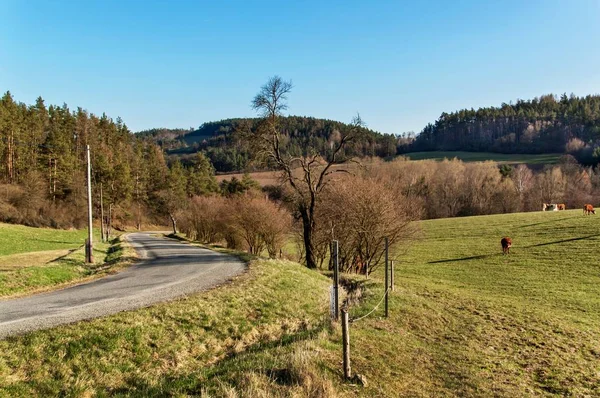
168 269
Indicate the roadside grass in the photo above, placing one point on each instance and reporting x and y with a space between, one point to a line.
233 338
41 259
467 321
545 158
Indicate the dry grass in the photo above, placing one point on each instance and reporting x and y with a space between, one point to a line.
34 259
262 177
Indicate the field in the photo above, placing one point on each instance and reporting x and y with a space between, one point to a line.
541 159
464 321
468 321
262 177
36 259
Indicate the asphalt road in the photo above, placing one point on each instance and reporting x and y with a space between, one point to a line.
168 269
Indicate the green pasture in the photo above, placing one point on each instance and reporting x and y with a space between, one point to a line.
547 158
468 321
36 259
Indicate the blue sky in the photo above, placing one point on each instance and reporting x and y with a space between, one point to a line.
400 64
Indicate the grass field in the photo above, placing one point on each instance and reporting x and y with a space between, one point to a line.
549 158
468 321
36 259
465 321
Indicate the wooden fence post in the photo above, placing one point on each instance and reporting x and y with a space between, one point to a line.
346 343
392 275
387 281
336 279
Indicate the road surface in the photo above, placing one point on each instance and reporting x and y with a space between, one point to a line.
168 269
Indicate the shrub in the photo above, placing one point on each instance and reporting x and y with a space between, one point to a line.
360 213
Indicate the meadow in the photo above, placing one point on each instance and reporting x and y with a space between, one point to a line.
465 320
37 259
502 158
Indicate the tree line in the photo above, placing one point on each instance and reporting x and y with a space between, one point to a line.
541 125
220 140
42 172
364 206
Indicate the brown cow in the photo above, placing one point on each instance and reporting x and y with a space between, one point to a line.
506 243
561 206
588 209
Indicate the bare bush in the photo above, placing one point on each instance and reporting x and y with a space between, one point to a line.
201 220
360 213
251 222
261 224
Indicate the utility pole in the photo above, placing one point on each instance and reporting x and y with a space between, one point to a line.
336 279
89 256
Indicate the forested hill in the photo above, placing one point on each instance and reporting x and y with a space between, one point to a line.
545 124
218 140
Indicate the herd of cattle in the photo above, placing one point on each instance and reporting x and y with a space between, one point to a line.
587 209
506 242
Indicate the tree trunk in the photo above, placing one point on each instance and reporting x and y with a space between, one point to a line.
9 163
109 223
101 214
307 228
174 222
139 215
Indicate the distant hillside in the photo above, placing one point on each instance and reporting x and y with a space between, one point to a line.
542 125
163 136
219 141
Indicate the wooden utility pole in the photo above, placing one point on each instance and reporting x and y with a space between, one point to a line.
387 281
89 258
101 215
336 279
346 343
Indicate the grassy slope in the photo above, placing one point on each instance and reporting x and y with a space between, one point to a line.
467 321
549 158
167 348
20 239
36 259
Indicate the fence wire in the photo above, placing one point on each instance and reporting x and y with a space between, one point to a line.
373 310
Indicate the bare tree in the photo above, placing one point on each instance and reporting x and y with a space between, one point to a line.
308 174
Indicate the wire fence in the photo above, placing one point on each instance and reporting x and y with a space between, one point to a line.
374 308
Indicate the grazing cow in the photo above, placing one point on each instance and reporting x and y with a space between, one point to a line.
588 209
506 243
549 207
561 206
